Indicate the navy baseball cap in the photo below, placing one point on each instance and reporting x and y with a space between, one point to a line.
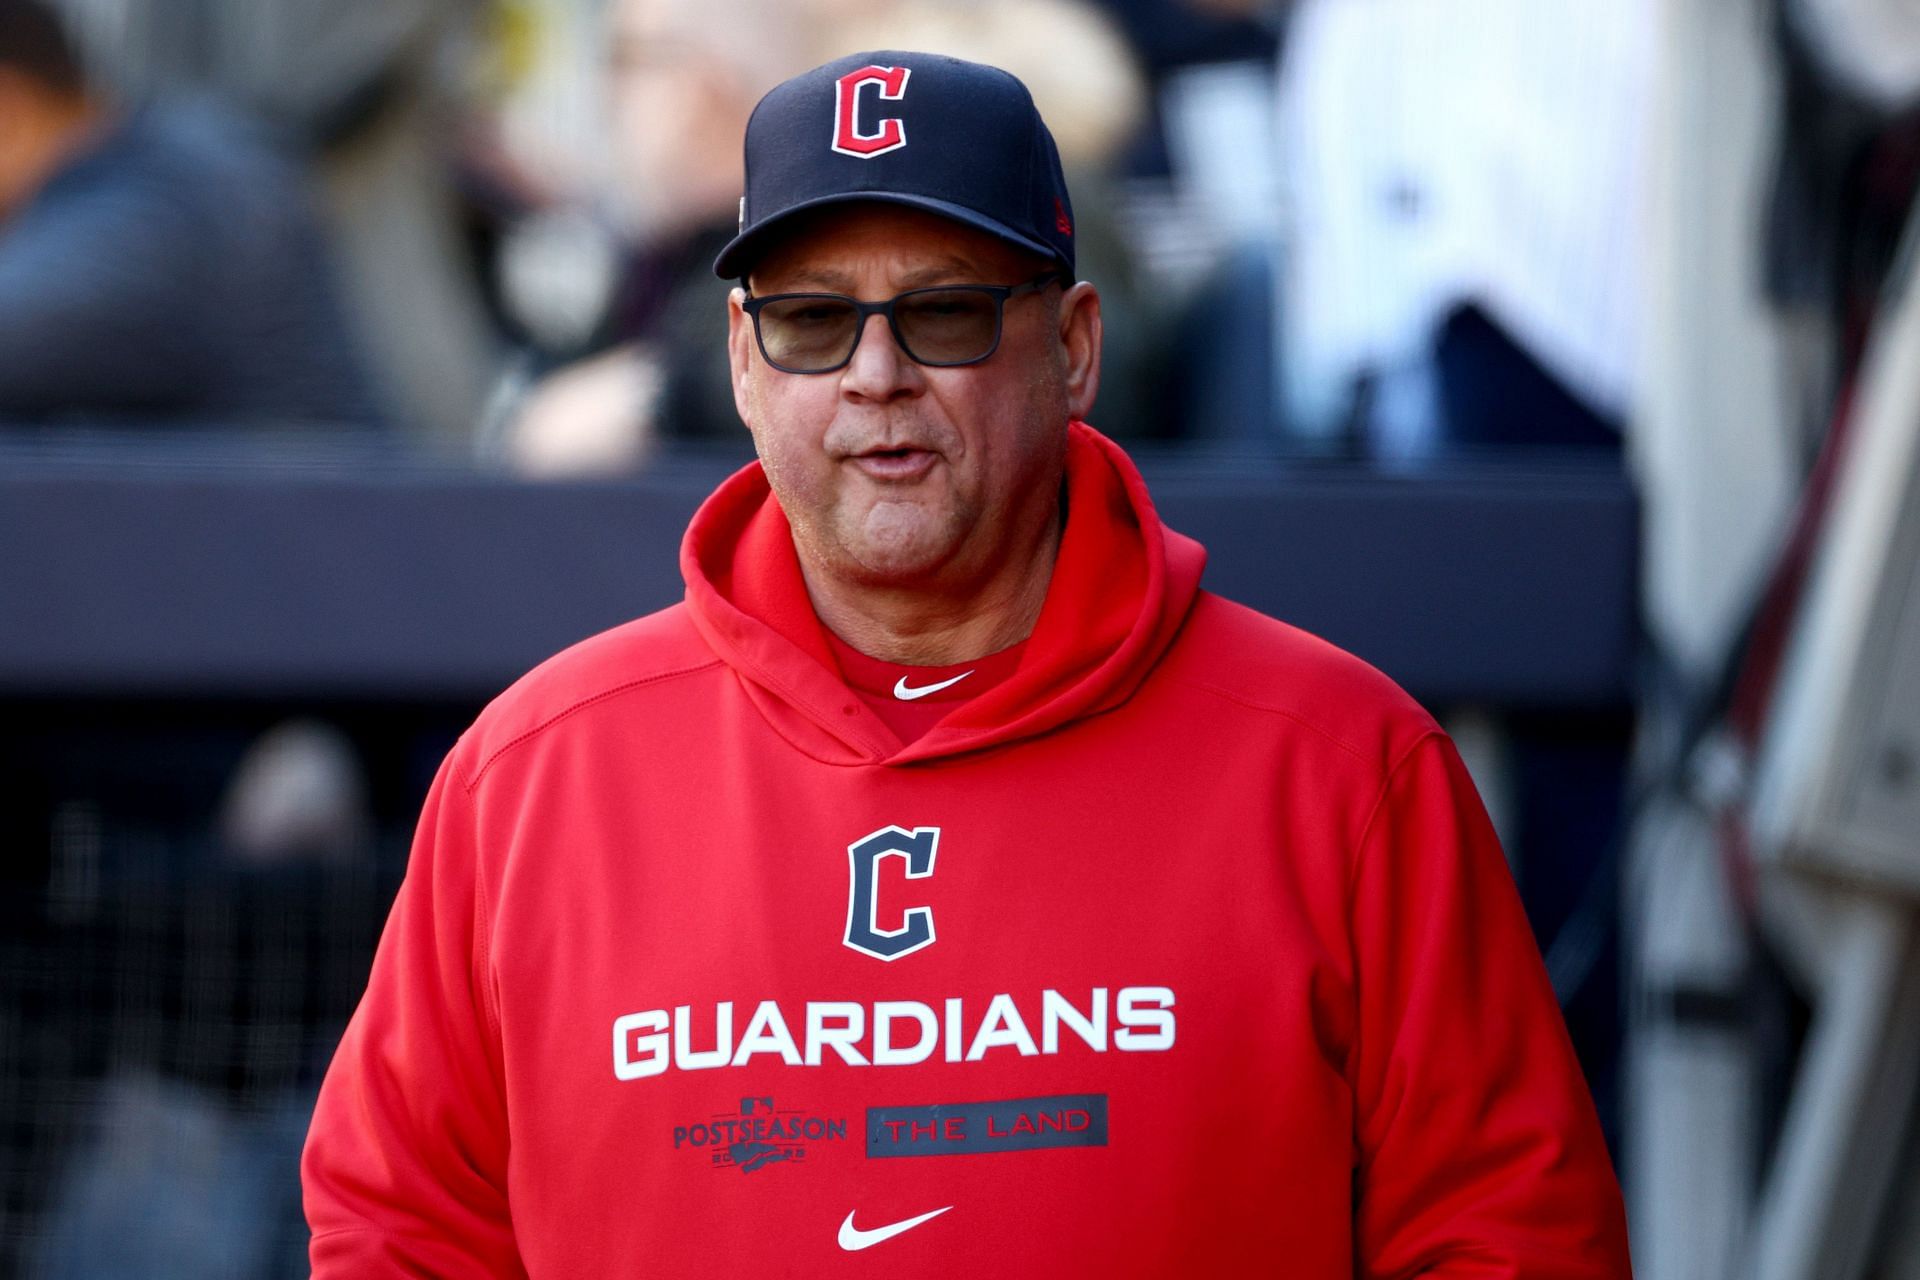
955 138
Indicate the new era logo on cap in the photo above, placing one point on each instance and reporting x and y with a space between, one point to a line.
955 138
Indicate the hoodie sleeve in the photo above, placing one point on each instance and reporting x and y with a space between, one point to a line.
1479 1154
404 1172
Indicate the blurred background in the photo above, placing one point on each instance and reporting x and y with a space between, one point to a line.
1560 357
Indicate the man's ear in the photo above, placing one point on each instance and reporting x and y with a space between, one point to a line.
739 350
1080 334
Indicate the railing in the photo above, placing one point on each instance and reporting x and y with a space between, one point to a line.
166 571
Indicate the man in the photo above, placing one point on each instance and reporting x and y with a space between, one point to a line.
948 817
158 266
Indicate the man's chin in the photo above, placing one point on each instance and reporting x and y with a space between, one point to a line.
897 555
900 539
896 565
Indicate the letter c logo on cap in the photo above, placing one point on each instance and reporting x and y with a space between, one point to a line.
848 137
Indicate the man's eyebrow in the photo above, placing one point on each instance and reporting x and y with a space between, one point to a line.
945 270
820 278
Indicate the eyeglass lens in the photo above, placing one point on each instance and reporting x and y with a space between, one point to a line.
936 326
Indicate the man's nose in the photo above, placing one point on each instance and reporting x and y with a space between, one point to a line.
880 370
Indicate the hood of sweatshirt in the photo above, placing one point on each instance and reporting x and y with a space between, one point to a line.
1122 585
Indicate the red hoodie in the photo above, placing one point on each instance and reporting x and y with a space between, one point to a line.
1184 950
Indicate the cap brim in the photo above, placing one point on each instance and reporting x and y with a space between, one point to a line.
737 258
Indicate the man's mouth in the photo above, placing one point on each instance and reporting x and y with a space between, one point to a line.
895 464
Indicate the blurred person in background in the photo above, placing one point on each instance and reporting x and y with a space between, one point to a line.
1465 191
681 80
161 264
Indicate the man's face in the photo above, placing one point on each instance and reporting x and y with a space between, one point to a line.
894 474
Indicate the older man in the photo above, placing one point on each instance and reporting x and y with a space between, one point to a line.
949 886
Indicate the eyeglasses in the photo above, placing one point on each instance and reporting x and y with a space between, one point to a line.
943 326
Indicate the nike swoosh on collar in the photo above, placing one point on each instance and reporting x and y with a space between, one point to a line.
902 691
853 1239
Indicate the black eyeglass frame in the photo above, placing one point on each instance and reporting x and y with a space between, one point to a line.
1000 293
